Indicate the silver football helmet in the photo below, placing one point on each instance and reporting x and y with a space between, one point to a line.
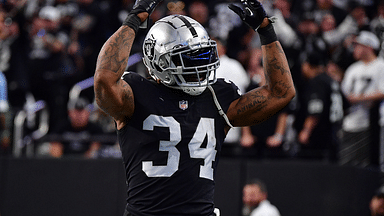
179 53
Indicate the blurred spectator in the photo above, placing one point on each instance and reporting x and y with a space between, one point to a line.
285 30
223 21
328 7
363 87
284 6
235 136
199 11
381 142
277 139
255 200
5 127
324 112
176 7
241 40
46 46
377 24
335 34
309 33
357 12
90 29
12 52
75 135
376 206
49 67
110 146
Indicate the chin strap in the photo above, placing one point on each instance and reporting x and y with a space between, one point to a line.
221 112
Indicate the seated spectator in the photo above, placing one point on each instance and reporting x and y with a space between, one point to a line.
75 135
255 200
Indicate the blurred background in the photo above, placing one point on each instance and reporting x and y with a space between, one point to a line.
321 155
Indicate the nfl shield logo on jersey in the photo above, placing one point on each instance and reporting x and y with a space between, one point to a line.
183 105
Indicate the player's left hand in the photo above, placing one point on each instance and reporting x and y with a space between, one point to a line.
144 6
251 12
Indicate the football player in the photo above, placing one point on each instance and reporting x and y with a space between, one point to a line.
171 127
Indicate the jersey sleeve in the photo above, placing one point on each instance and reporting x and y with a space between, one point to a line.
226 92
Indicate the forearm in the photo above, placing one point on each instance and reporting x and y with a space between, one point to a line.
376 96
277 73
113 56
260 104
281 124
112 94
310 124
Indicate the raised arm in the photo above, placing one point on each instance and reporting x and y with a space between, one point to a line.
263 102
114 95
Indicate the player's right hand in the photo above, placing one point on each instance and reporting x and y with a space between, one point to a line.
250 11
144 6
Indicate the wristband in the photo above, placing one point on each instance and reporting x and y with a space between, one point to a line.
267 34
132 21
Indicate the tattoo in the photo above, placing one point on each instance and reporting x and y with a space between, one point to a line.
128 94
257 101
280 89
275 65
113 55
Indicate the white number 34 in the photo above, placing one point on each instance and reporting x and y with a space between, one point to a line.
205 128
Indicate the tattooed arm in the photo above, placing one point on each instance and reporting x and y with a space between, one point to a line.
114 95
263 102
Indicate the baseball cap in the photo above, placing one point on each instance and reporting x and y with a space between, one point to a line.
78 104
368 39
50 13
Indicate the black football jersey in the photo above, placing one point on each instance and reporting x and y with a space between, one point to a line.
324 100
170 147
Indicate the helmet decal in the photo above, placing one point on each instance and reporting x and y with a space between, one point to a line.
149 48
189 26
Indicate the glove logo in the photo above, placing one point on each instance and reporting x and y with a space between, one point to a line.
249 11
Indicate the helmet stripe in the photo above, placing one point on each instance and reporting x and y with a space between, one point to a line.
189 25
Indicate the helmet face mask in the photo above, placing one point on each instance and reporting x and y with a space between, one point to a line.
178 52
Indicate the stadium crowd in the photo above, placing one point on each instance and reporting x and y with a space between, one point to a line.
49 46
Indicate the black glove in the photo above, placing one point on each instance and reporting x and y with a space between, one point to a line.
140 6
251 12
144 6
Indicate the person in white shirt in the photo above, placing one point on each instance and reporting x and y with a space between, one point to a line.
363 86
255 200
